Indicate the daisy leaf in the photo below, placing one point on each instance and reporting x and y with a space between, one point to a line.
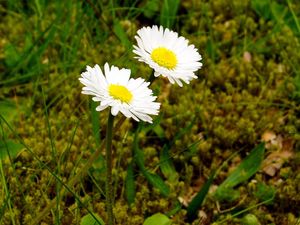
90 219
248 167
156 219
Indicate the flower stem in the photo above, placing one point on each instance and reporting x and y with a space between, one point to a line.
151 78
109 186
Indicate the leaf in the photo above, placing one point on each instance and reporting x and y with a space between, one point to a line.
295 23
195 204
166 165
211 49
139 158
121 34
279 13
8 109
91 220
157 182
130 185
154 179
168 13
99 164
247 168
227 194
250 219
95 122
193 148
177 207
262 8
264 192
159 131
155 127
157 219
12 56
9 148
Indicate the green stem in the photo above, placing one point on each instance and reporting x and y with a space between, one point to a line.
151 78
109 186
74 179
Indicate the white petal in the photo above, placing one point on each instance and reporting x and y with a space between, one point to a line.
101 107
96 84
188 58
114 110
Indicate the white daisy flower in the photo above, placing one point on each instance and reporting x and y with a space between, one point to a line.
167 53
116 89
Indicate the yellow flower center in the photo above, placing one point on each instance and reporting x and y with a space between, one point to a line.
164 57
120 92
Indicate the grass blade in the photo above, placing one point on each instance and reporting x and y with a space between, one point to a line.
130 185
168 13
157 182
195 204
248 167
55 176
120 33
9 148
166 165
139 158
95 122
154 179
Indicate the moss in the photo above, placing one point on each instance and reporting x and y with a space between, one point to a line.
243 90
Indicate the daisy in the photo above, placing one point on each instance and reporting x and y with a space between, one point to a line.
116 89
167 53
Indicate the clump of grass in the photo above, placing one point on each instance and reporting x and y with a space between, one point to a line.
249 84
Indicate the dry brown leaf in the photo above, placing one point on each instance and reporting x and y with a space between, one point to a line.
268 136
272 140
191 192
283 152
275 160
187 198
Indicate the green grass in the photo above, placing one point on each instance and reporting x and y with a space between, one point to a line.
52 163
